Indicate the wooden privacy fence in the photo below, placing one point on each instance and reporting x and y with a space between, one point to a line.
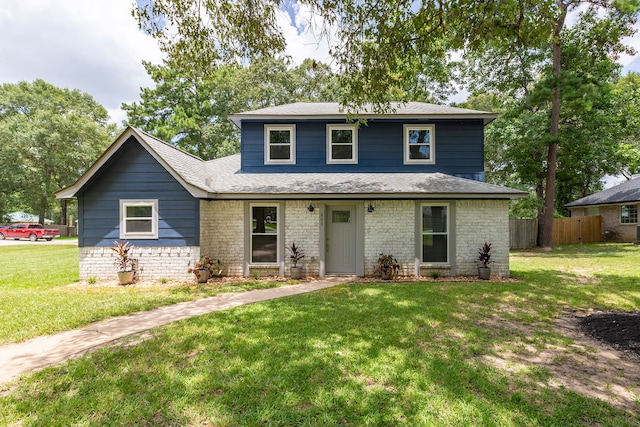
581 229
523 233
584 229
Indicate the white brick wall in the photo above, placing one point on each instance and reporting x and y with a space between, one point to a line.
476 222
222 233
171 262
390 229
303 228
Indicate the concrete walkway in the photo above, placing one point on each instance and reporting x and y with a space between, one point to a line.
40 352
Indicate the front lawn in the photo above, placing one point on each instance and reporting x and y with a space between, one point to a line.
378 354
38 297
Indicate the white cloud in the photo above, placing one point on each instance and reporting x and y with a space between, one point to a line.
93 46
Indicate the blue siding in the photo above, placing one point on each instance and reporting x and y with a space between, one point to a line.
133 173
459 148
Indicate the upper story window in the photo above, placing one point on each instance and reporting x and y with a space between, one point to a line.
628 214
139 219
342 144
419 144
280 144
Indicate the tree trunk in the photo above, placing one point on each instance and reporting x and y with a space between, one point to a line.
63 211
552 154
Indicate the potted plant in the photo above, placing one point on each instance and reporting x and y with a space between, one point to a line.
387 267
484 259
124 262
296 254
205 268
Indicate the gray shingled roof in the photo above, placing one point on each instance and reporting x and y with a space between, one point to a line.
626 192
221 178
228 182
333 110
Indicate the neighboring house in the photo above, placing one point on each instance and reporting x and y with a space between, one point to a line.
408 183
23 217
617 207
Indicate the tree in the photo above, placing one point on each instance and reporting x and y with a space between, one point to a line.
384 48
191 110
48 138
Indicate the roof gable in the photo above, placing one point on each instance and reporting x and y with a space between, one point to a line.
187 169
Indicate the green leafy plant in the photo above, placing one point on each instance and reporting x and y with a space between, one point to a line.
484 255
123 260
387 267
213 265
93 280
296 254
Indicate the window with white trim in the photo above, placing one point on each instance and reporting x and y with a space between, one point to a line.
279 144
138 219
419 144
342 144
264 234
628 214
435 233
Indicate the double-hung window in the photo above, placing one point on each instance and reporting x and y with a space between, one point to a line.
435 233
419 144
342 144
264 234
628 214
138 219
280 144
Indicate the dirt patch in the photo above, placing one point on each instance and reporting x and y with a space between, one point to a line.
619 330
604 366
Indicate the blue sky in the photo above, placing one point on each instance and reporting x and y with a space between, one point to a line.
95 46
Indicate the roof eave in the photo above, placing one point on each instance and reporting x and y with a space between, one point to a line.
366 196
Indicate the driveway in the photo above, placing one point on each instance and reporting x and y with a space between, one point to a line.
11 242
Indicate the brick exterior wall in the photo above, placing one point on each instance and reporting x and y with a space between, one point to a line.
476 222
303 228
222 233
390 229
612 228
154 262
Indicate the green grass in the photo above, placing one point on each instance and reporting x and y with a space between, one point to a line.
36 298
374 354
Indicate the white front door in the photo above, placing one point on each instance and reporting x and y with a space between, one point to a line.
341 240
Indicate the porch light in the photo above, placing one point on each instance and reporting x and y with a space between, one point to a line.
311 208
370 208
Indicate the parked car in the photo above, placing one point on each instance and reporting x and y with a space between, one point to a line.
32 232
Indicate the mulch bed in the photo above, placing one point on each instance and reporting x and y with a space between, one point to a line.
619 330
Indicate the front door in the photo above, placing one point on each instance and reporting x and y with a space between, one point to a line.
341 240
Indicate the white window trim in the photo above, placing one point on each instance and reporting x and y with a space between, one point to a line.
267 152
277 234
448 234
124 203
620 214
354 144
432 145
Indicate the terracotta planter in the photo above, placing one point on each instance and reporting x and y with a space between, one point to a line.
125 277
296 272
484 273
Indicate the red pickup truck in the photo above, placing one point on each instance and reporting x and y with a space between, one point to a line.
32 232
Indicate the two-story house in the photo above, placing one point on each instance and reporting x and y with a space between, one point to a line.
409 183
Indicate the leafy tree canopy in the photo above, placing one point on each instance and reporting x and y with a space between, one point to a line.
48 138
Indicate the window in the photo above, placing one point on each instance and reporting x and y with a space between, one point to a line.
264 234
138 219
280 144
342 146
628 214
419 144
435 234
